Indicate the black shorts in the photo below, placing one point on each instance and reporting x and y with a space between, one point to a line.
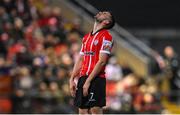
96 95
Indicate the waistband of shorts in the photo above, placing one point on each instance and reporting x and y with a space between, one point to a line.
96 76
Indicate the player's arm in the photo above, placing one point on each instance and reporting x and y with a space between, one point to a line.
78 63
77 67
76 70
103 57
74 74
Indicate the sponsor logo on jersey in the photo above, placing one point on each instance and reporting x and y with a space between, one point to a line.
89 53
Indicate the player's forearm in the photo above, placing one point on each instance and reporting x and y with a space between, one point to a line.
96 70
77 67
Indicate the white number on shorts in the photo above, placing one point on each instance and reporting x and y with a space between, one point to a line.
92 94
91 98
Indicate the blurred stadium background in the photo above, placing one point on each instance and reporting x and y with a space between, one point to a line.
40 40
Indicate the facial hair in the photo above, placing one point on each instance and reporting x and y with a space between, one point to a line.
98 20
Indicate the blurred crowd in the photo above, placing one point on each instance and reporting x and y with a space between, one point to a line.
38 48
130 93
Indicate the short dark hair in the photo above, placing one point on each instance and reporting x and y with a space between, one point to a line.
112 21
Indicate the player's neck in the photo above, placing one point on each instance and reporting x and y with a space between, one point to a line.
97 27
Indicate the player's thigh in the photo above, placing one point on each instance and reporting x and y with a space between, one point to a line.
97 92
79 100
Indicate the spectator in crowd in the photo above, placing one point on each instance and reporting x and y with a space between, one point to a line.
172 67
113 70
146 97
22 90
4 66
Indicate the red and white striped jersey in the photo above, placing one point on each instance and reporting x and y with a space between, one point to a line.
92 46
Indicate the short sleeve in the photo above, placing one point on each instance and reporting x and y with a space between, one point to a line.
83 42
82 50
107 44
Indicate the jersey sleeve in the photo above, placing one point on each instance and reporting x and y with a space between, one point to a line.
82 50
107 44
82 46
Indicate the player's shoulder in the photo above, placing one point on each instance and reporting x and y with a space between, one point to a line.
107 33
85 37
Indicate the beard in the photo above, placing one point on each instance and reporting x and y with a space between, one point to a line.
98 19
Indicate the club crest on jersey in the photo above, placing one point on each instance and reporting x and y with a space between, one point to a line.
95 42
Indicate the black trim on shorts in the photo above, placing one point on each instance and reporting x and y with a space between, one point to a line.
96 94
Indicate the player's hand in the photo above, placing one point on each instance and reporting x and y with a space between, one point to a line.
72 87
86 88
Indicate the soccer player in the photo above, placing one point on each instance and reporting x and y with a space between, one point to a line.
90 92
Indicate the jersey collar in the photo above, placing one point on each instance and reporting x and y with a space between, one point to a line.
96 31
